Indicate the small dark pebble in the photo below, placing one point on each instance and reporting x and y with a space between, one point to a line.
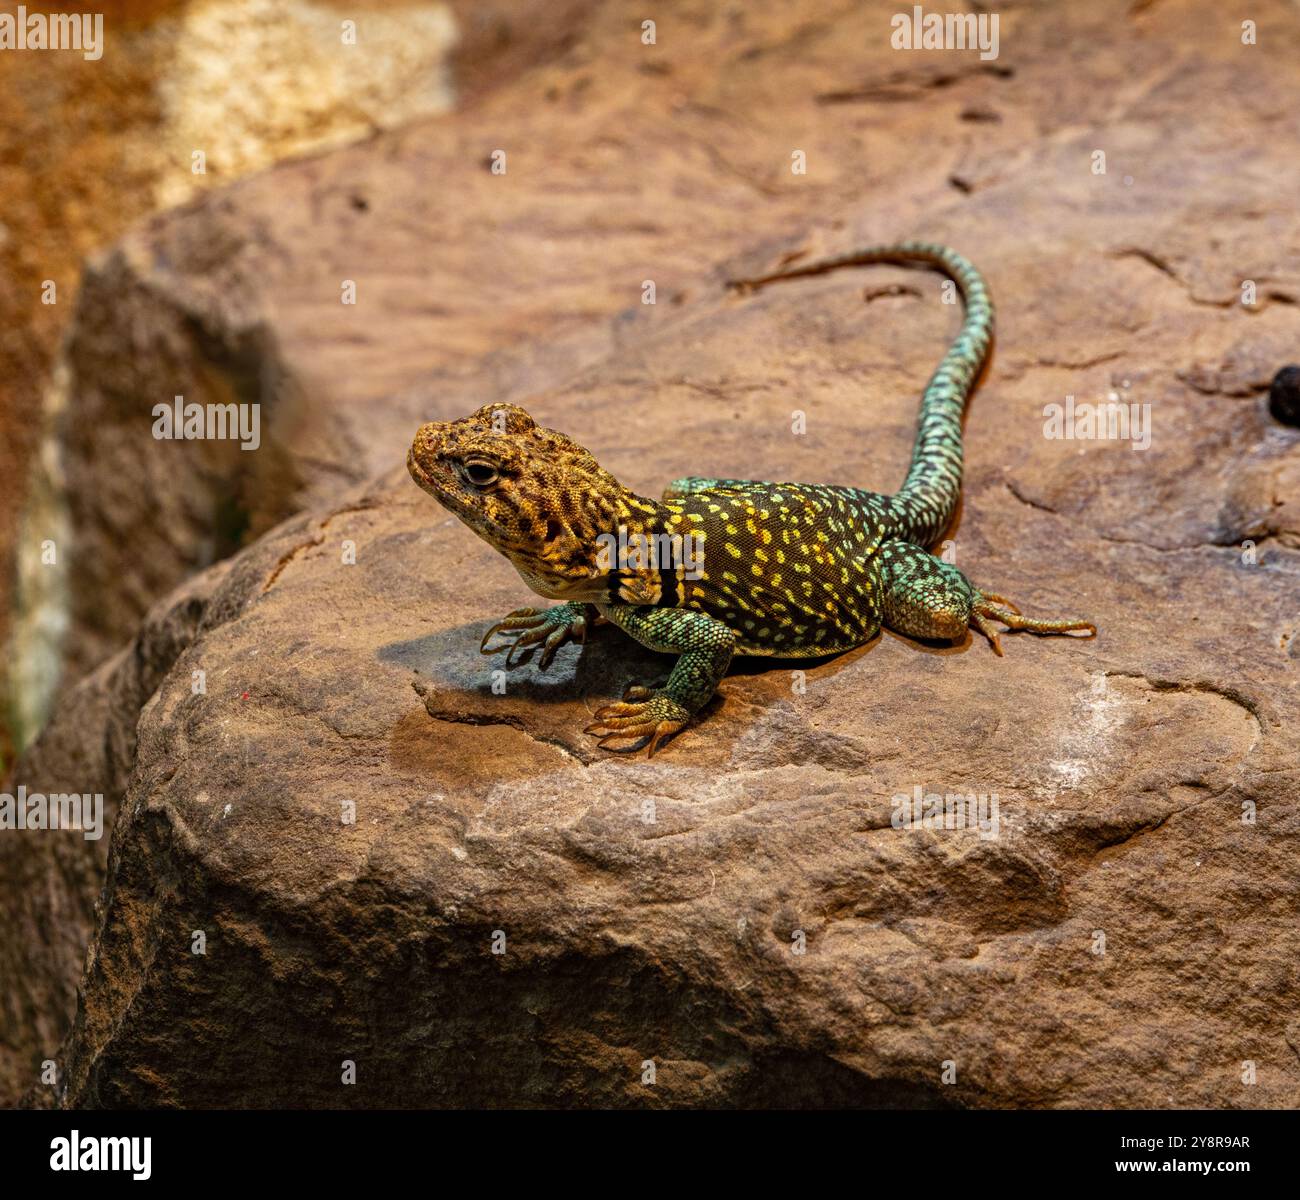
1284 396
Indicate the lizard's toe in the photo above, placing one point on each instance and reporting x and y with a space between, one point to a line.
1002 600
651 721
988 605
655 733
528 639
526 628
520 619
557 637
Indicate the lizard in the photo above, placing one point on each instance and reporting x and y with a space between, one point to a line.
787 570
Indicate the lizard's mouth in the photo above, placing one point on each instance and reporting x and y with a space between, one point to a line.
422 477
442 489
448 492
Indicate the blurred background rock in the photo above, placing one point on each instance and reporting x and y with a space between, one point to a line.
88 148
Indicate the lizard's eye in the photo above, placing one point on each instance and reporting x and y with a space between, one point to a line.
480 473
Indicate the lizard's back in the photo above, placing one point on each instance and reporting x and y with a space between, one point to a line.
788 566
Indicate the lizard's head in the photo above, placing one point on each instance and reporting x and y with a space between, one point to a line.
532 493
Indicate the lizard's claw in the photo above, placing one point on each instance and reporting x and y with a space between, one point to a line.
653 720
1002 600
989 605
551 628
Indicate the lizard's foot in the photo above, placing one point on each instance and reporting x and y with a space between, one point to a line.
653 715
643 715
988 605
529 627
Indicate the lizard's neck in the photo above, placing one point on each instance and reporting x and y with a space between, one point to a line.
586 532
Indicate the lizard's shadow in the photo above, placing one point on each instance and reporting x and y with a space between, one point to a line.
602 666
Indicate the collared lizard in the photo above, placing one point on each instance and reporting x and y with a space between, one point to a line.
790 570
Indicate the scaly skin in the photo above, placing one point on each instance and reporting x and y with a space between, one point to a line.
784 569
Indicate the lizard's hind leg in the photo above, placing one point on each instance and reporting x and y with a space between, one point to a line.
929 598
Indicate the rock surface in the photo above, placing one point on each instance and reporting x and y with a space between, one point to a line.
1129 937
51 882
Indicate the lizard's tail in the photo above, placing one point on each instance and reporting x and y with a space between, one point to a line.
928 498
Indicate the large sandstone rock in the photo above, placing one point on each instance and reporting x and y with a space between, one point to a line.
1128 937
1123 769
51 881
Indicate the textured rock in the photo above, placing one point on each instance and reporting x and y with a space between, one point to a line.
1123 766
51 881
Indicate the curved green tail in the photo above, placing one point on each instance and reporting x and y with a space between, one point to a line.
925 503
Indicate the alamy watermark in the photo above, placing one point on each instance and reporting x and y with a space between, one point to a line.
89 1152
181 422
920 30
22 30
1115 420
947 810
82 811
626 551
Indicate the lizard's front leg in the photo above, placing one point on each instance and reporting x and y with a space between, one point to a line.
655 714
551 627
